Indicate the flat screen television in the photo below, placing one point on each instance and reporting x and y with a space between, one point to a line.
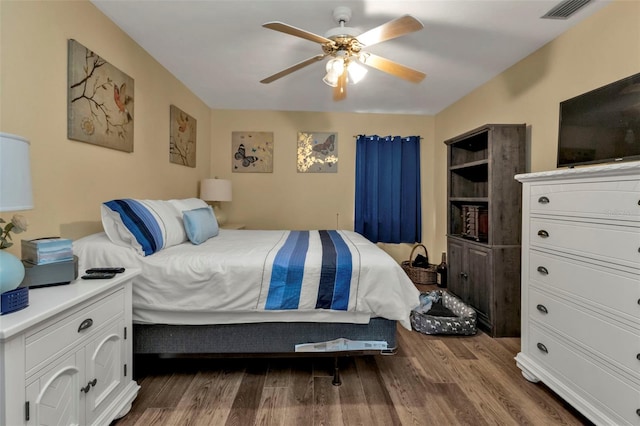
602 125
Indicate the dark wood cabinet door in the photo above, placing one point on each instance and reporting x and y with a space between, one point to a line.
479 277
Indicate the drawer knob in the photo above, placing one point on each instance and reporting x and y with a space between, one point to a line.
543 348
85 324
638 411
543 270
464 275
542 233
544 310
638 357
545 200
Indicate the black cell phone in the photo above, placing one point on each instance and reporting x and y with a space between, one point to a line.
99 276
98 270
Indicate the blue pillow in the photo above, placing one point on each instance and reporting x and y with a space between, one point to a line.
200 224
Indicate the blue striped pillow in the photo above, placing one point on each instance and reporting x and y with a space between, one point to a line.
140 222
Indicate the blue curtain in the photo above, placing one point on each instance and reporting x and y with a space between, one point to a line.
387 205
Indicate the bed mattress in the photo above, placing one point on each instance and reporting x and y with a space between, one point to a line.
226 280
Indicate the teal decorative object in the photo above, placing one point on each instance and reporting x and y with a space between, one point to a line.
11 271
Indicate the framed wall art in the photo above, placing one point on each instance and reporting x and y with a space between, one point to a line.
252 152
317 152
99 100
182 137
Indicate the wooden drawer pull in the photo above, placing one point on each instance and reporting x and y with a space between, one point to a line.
85 324
543 270
545 200
542 309
543 348
542 233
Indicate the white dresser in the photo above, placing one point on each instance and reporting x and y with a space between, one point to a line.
581 288
67 357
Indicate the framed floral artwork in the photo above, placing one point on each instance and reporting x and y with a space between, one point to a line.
317 152
252 152
99 100
182 137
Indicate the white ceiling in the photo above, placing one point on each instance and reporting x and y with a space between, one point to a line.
220 51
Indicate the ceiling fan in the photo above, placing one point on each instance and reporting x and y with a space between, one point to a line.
345 46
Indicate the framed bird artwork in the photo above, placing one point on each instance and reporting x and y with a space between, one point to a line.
252 152
317 152
182 139
99 102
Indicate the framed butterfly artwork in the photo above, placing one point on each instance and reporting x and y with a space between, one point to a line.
252 152
99 100
317 152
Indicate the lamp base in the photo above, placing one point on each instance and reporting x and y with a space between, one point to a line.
11 271
221 217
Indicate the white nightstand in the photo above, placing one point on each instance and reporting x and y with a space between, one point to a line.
233 226
68 355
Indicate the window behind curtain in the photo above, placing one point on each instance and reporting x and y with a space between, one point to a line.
387 205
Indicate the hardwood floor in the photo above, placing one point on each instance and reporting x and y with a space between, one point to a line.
432 380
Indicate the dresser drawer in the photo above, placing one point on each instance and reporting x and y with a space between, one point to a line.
619 344
55 337
614 244
617 397
606 200
609 289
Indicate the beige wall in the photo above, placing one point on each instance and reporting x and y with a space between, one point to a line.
71 179
603 48
286 199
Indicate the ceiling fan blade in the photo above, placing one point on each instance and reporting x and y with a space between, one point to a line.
288 29
398 27
293 68
392 68
340 91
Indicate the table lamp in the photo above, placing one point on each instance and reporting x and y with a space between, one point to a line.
15 195
216 190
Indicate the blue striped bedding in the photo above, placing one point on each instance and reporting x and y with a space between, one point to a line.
288 270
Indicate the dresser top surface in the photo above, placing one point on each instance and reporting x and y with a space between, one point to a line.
608 170
46 302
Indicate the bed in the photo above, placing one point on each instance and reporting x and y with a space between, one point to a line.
254 292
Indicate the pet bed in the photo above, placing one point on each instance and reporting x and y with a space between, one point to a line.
446 314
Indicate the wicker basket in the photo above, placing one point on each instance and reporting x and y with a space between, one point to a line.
420 275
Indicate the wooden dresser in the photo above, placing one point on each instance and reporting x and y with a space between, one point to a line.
581 288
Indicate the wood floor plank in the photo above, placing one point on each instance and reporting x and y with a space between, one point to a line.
326 403
247 399
272 408
383 412
278 373
353 402
299 400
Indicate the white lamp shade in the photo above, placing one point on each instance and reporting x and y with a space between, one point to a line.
15 173
215 190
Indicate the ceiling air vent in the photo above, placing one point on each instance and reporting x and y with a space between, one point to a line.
565 9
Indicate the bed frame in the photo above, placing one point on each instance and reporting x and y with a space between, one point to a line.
276 339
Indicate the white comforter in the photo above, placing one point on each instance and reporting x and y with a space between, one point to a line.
221 280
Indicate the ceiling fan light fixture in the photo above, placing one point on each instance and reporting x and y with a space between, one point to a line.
335 68
356 72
